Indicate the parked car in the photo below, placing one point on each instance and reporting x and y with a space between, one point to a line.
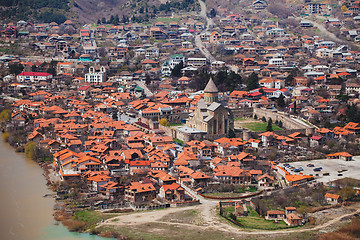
310 165
317 169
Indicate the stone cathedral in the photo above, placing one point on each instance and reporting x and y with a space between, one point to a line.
209 115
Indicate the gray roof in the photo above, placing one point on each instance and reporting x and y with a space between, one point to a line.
211 87
214 106
208 118
201 104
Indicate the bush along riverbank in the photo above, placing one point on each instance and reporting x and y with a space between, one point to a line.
86 221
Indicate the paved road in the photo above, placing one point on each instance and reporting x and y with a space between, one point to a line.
209 23
322 29
147 91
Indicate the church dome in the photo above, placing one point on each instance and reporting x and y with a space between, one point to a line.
211 87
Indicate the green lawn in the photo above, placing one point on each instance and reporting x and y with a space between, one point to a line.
178 141
241 119
91 218
259 126
261 223
167 20
254 221
175 124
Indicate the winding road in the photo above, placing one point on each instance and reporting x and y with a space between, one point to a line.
322 29
209 23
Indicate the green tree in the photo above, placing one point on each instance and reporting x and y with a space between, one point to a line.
263 119
295 106
30 148
212 13
5 115
176 71
255 116
164 122
347 193
5 136
280 101
33 68
231 133
269 126
51 70
342 95
232 216
280 124
252 82
16 68
147 80
352 113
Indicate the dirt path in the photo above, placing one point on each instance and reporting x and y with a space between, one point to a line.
210 221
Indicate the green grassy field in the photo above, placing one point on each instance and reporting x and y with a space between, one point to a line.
91 218
260 223
241 119
254 221
167 20
259 126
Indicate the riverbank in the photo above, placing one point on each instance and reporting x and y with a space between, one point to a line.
26 213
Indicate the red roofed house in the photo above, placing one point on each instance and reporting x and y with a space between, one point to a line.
333 198
137 192
33 76
340 155
97 180
199 179
293 220
275 215
172 192
265 181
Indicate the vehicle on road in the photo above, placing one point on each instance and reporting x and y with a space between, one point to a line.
318 169
310 165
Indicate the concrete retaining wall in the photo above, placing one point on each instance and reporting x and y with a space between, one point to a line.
288 123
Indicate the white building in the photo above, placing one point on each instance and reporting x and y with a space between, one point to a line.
96 75
277 62
33 77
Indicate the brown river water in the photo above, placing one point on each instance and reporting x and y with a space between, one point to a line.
24 213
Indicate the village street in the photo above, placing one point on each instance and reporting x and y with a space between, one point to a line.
209 23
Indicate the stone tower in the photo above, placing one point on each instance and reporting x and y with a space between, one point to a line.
211 92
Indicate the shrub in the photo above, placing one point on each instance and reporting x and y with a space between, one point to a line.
164 122
74 226
5 136
232 216
30 149
5 115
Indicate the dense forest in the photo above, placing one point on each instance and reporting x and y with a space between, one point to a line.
41 10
